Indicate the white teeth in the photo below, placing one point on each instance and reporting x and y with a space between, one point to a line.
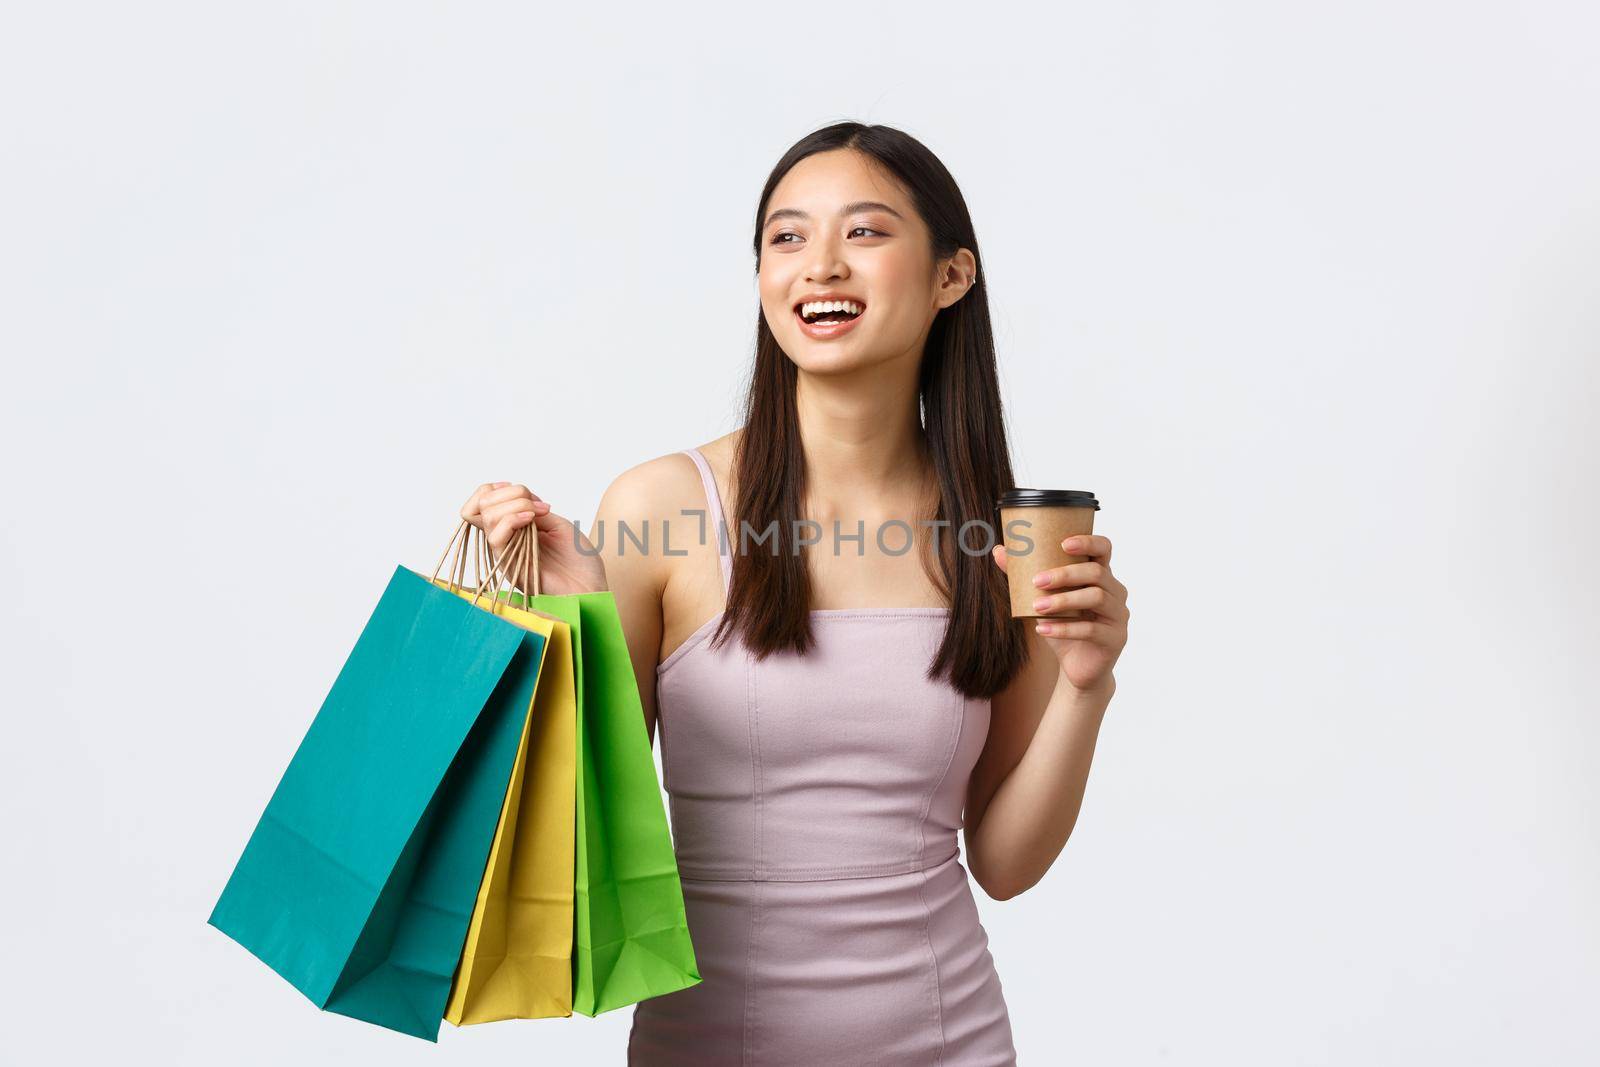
818 307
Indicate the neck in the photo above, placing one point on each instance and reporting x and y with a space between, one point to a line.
862 437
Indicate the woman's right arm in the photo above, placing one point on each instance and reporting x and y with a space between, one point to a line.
636 578
569 562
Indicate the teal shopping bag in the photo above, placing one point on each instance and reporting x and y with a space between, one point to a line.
358 883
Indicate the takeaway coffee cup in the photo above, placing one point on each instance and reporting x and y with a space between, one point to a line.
1033 523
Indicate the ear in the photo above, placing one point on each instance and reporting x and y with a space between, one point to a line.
956 276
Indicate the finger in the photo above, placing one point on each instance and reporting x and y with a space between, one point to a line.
1072 575
503 529
511 524
999 556
1095 598
515 505
1078 576
470 508
545 520
498 535
1089 545
495 512
529 493
1080 630
506 491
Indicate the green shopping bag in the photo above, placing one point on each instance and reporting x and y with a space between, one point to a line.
630 931
358 883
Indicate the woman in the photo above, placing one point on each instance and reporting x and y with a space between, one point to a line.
828 713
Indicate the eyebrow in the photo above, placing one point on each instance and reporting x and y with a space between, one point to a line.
848 209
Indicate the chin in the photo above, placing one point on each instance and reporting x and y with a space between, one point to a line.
829 357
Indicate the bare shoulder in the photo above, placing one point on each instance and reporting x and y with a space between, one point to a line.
649 492
719 456
643 500
660 488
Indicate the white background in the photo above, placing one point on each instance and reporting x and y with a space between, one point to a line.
1307 295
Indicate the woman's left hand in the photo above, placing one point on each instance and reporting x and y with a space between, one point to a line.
1087 647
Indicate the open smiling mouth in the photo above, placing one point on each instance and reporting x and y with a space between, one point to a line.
829 318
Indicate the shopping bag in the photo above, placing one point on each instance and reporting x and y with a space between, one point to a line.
359 880
517 960
631 932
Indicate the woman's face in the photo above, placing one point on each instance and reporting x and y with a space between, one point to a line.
837 225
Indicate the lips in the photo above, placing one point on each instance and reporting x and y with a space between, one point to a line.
824 331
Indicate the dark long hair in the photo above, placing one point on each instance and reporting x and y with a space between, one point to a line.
963 427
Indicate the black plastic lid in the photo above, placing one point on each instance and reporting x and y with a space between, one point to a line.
1048 498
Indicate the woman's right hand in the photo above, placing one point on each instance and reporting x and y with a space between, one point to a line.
499 509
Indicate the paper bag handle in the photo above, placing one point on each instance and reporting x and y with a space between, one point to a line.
521 556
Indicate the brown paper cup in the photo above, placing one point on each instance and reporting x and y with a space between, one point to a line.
1033 523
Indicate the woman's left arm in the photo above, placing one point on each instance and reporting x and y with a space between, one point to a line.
1027 786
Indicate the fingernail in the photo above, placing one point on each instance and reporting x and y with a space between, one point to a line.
1041 604
1041 580
1070 544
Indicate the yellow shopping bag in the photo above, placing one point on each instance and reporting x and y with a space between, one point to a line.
517 959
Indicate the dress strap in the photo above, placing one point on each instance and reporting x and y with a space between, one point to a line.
715 519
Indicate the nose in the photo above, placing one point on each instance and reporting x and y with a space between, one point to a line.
825 263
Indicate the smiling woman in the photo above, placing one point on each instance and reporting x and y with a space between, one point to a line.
819 760
831 721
